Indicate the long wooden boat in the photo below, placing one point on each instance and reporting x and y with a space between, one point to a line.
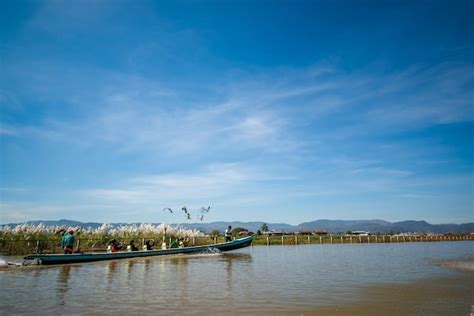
99 256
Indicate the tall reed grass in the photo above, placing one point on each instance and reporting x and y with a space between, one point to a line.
27 238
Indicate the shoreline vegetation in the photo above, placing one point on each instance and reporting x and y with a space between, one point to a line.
26 239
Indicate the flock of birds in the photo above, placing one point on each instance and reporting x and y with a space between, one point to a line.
203 210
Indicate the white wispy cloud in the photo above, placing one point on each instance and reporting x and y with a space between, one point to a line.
211 183
19 211
136 119
425 96
382 172
138 114
8 131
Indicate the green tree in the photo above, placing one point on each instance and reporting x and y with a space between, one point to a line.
215 233
264 227
237 230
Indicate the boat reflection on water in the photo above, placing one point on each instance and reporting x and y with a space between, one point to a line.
112 267
63 283
183 275
182 267
230 259
228 270
129 265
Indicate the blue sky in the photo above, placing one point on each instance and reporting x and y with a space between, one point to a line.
279 111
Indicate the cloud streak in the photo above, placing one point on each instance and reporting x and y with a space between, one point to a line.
139 114
212 183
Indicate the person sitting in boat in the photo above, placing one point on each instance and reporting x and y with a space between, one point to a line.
228 233
174 244
181 242
132 246
115 245
148 245
67 243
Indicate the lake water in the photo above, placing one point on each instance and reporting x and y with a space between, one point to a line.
254 280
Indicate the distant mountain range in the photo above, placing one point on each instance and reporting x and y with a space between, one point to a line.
332 226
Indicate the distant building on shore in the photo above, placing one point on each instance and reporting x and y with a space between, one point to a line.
273 232
359 233
320 232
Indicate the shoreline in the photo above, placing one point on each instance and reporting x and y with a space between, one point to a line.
91 245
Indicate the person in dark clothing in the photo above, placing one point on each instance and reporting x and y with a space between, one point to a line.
149 245
132 246
228 234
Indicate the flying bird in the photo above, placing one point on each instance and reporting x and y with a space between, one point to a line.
200 217
188 216
185 209
168 209
205 210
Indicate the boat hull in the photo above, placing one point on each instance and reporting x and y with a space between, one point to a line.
100 256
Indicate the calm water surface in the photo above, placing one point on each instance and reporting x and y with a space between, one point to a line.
252 280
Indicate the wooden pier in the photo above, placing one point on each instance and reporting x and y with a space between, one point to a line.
351 239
